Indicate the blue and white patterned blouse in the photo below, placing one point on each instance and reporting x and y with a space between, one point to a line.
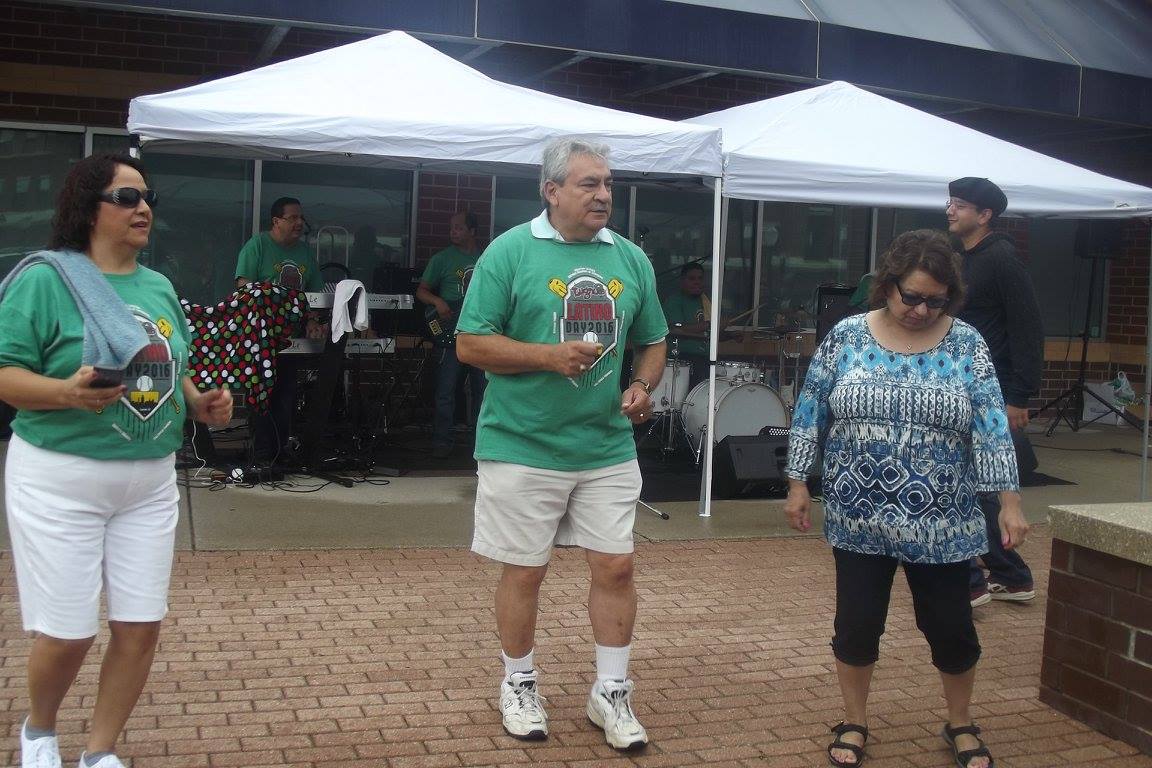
911 440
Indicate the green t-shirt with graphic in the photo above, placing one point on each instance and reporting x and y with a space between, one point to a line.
41 330
546 292
263 259
686 310
449 272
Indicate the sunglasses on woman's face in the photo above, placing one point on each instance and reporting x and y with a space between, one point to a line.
129 197
915 299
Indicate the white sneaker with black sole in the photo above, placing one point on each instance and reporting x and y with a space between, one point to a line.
108 761
610 707
43 752
522 707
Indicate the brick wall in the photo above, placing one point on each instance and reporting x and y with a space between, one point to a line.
440 196
1097 664
1128 286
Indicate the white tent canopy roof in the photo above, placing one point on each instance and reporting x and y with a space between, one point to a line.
840 144
392 100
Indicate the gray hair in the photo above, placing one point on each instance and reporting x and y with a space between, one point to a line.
557 154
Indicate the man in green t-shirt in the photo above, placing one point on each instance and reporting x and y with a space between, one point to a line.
689 314
552 304
442 288
280 256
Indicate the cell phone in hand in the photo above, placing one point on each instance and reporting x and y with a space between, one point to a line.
107 377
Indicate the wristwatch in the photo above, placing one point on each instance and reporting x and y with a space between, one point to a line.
643 383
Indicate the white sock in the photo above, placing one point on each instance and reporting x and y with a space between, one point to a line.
612 662
523 664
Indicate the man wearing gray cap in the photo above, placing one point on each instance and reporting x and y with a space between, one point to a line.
1001 304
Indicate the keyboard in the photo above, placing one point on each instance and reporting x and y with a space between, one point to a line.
375 300
351 347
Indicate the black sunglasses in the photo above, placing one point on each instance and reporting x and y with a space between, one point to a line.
129 197
915 299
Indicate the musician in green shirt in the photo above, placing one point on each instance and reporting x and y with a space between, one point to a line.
442 288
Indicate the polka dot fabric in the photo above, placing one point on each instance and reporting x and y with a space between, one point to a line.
235 342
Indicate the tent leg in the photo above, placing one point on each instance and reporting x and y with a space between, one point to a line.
713 347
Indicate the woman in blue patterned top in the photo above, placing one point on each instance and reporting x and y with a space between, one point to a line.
905 404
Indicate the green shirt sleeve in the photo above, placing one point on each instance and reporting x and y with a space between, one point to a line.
25 330
434 272
488 301
650 326
248 262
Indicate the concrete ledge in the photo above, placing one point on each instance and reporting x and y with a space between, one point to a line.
1123 530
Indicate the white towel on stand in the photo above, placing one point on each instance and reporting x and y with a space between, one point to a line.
349 291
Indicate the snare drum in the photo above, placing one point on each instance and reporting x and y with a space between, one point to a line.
673 387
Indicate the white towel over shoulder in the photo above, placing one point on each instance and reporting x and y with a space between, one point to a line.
349 293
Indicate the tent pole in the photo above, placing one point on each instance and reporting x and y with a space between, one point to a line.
713 345
1147 380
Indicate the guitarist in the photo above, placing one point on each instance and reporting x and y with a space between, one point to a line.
442 288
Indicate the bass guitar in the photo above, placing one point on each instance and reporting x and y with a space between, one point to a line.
442 330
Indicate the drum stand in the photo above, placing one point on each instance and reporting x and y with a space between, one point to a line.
670 421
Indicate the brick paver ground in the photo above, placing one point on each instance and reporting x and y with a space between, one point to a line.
389 658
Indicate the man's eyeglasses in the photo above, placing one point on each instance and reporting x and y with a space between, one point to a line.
129 197
915 299
957 204
293 218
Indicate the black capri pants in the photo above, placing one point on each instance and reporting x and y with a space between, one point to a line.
939 596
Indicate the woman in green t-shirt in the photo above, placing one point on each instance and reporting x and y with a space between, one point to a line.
90 480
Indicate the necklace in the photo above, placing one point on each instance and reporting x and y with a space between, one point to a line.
893 326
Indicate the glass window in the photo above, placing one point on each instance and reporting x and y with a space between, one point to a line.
109 143
674 227
356 216
26 208
739 260
518 201
203 217
804 246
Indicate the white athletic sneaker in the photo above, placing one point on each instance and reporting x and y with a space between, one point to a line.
38 753
610 707
108 761
523 707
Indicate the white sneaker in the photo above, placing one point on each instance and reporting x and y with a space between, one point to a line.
610 707
522 707
108 761
43 752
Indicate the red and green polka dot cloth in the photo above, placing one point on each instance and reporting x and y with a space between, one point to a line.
234 343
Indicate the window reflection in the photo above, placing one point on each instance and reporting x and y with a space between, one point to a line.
33 165
357 217
804 246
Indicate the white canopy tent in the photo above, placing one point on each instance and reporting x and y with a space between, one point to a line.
394 101
840 144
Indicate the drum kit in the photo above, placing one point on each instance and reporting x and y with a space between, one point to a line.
745 404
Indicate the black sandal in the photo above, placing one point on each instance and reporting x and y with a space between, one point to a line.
839 743
965 757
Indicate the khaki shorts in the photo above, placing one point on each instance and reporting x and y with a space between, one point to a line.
523 512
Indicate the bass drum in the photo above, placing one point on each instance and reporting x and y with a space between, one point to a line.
742 408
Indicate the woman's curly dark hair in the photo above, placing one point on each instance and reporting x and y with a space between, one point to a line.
79 199
926 250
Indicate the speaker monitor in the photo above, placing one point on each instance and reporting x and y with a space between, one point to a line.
831 307
745 460
1099 238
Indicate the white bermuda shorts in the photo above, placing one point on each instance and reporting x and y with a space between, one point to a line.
523 512
78 524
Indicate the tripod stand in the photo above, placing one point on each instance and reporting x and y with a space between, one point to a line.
1069 404
670 421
